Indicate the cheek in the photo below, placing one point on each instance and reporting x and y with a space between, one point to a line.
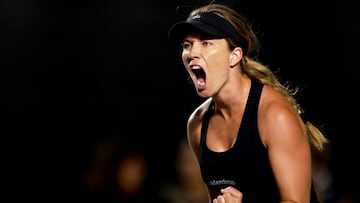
219 57
184 57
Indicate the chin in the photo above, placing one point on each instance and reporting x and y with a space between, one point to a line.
203 94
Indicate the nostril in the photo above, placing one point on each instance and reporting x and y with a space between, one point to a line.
188 59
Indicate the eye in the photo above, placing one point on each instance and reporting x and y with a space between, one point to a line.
206 43
185 45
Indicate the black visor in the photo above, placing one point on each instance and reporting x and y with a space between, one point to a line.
208 23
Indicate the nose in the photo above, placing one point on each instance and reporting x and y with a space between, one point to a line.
193 52
195 49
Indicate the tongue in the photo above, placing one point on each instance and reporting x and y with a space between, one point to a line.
201 81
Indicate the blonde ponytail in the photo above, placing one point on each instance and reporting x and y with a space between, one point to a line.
258 71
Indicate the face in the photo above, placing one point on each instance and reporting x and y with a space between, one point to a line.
207 62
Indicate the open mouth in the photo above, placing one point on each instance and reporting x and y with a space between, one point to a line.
200 76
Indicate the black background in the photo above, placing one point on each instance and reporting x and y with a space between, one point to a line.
74 73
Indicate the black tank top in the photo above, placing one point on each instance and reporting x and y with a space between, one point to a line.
245 166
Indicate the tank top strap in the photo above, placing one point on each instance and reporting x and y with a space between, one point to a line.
205 124
254 98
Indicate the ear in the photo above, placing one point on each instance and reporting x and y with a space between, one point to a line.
235 56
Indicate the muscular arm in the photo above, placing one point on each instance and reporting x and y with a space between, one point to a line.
283 133
194 133
194 126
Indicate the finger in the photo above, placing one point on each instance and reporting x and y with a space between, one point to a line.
219 199
227 196
232 191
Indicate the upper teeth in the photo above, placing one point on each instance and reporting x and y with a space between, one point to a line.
196 67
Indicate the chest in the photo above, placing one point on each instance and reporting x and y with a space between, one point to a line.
222 134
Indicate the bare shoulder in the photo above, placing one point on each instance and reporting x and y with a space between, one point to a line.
198 114
272 100
194 125
277 118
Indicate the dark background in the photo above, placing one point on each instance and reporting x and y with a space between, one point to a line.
75 73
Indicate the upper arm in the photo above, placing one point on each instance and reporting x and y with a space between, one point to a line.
284 135
192 135
194 126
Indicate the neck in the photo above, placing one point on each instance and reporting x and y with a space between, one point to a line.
232 99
